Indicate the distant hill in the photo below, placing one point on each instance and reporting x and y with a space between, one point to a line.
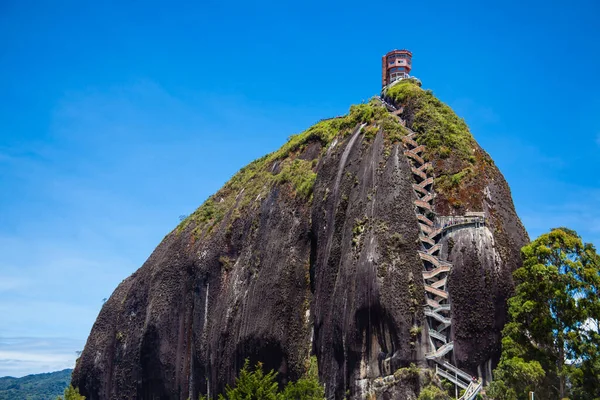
35 387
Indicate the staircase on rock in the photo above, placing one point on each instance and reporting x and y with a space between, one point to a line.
435 270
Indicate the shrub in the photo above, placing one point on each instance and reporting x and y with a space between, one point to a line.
245 189
71 393
300 174
304 389
370 132
256 385
253 385
441 130
432 392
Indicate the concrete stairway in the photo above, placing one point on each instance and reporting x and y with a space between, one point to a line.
445 321
435 271
459 378
440 351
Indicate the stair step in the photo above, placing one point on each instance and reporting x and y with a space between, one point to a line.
427 240
439 317
440 352
437 335
436 292
459 382
455 371
424 219
440 283
424 205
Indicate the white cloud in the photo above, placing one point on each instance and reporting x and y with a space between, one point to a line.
21 356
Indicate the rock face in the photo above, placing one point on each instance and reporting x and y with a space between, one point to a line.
309 250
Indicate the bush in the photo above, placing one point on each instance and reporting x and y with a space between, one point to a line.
300 174
441 130
256 385
432 392
304 389
370 132
253 385
71 393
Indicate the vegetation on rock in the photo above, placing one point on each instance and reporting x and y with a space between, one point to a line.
459 163
551 345
439 128
258 385
286 166
432 392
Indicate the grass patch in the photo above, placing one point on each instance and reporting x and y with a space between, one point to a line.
410 372
300 174
370 132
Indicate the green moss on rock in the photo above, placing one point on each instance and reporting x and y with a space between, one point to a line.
300 174
439 128
283 167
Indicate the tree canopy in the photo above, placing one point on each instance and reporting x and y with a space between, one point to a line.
71 393
550 345
255 384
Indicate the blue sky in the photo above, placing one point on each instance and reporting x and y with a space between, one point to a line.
117 117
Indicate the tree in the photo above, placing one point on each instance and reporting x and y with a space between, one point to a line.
304 389
256 385
432 392
71 393
253 385
308 387
550 345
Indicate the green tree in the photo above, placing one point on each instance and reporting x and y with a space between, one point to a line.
308 387
304 389
432 392
253 385
550 345
256 385
71 393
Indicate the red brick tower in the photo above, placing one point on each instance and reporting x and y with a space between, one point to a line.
395 65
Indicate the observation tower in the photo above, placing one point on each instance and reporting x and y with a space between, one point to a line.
395 65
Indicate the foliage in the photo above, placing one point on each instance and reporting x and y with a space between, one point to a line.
439 128
304 389
515 375
550 345
253 385
71 393
432 392
35 387
301 175
282 167
256 385
370 132
415 331
358 229
312 368
410 372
